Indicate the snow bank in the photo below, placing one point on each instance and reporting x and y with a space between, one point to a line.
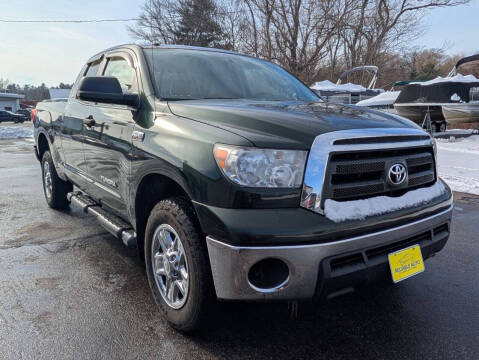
383 99
360 209
457 78
10 132
458 161
327 85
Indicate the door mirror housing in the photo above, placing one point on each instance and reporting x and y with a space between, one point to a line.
105 89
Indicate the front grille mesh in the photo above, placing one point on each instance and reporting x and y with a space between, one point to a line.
361 174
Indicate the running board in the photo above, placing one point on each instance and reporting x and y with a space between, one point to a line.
110 222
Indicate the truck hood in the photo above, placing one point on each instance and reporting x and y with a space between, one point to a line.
283 124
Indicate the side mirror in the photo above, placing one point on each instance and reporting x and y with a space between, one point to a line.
105 89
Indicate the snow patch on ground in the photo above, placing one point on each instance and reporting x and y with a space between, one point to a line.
458 161
11 132
361 209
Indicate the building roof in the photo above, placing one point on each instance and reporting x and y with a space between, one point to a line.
59 93
11 96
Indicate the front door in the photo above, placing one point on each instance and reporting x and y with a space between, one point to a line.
108 140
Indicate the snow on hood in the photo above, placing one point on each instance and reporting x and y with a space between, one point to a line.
339 211
10 132
385 98
327 85
457 78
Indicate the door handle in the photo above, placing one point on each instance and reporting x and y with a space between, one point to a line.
90 121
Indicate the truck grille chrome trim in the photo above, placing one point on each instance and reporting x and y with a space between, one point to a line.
391 142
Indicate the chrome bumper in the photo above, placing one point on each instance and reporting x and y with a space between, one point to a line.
230 264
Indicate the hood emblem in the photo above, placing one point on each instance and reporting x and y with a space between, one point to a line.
397 174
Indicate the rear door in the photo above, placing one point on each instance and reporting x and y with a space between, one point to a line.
71 130
108 141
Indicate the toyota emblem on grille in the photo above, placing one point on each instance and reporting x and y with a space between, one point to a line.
397 174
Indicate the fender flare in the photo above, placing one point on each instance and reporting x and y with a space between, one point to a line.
160 168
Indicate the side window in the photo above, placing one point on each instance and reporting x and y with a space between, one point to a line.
126 75
93 68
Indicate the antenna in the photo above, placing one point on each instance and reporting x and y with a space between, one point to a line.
152 58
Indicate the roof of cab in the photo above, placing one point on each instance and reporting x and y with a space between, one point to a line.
136 47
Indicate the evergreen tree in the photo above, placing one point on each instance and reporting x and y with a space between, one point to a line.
197 25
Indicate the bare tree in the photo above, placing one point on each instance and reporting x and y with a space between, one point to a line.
313 39
4 84
375 28
157 22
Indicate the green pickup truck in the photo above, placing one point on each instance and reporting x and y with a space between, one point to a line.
237 182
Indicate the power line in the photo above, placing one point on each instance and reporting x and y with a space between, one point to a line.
68 21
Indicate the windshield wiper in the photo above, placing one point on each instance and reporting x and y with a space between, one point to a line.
220 98
176 99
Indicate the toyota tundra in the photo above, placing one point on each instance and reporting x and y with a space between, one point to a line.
237 182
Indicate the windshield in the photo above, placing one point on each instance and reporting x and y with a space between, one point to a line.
181 74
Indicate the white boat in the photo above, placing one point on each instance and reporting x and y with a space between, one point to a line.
348 93
453 92
384 101
461 113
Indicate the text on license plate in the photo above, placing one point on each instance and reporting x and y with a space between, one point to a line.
406 263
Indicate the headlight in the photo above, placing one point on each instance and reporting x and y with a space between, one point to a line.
267 168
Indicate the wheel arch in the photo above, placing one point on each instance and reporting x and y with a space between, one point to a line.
152 188
43 144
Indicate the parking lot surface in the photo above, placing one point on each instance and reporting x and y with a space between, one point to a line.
69 290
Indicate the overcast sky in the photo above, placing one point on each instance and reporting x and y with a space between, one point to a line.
54 53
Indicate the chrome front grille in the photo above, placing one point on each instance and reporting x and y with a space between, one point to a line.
356 175
354 164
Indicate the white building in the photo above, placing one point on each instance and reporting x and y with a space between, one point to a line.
10 102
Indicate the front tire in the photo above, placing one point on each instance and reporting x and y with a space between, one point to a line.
177 264
54 188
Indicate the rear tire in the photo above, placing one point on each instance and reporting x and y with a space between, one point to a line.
54 188
174 221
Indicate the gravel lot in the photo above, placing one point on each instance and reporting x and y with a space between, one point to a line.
69 290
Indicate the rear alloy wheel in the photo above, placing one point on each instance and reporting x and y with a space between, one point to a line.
54 188
47 180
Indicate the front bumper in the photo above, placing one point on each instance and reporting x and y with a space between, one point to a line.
324 268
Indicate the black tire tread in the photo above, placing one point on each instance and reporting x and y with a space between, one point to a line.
182 210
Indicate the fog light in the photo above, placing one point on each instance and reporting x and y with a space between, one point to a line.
268 274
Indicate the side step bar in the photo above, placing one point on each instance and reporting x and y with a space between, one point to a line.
110 222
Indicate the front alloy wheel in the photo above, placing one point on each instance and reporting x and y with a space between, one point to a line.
178 269
170 266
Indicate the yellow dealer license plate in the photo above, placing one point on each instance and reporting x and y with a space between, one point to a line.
406 263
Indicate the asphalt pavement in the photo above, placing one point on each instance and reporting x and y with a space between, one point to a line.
69 290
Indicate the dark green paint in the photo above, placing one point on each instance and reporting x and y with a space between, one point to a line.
178 144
